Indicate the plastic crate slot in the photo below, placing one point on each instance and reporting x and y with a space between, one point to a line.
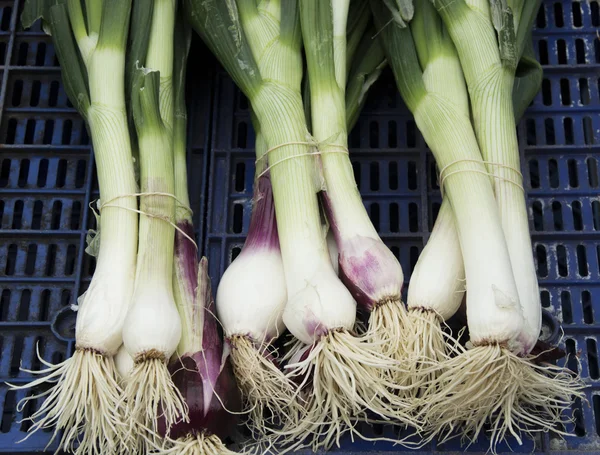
596 408
411 134
546 92
238 218
573 174
36 87
235 252
17 91
582 264
45 304
595 14
596 215
584 91
568 127
588 131
53 95
242 135
374 176
242 101
542 261
553 173
11 260
42 173
587 307
592 165
374 215
534 173
18 215
395 251
433 176
572 362
48 132
1 213
557 216
75 216
240 176
66 132
558 15
565 92
538 216
577 216
597 50
550 132
56 215
567 310
580 51
61 173
7 412
65 297
413 217
50 260
531 131
374 135
23 173
80 173
576 14
394 217
592 355
6 16
393 179
540 20
392 134
561 49
4 304
28 410
579 424
70 260
412 180
30 259
91 265
414 257
435 210
562 261
15 360
354 138
22 54
40 54
29 131
545 298
23 313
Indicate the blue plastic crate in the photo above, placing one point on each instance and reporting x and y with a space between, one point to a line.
47 182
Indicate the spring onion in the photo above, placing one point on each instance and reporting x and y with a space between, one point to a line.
82 404
152 328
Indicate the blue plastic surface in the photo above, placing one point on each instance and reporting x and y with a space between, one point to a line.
47 182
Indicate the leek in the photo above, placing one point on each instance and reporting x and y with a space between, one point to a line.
82 404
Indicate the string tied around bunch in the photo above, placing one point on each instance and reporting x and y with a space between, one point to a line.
314 150
111 203
444 174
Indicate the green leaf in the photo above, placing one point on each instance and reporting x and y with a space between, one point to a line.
503 20
74 74
144 100
182 41
139 33
114 26
37 9
218 23
528 80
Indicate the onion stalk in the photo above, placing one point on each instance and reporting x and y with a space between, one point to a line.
83 401
152 328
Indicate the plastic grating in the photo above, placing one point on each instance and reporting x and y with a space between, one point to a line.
47 182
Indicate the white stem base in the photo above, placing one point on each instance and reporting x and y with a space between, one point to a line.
83 400
489 385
